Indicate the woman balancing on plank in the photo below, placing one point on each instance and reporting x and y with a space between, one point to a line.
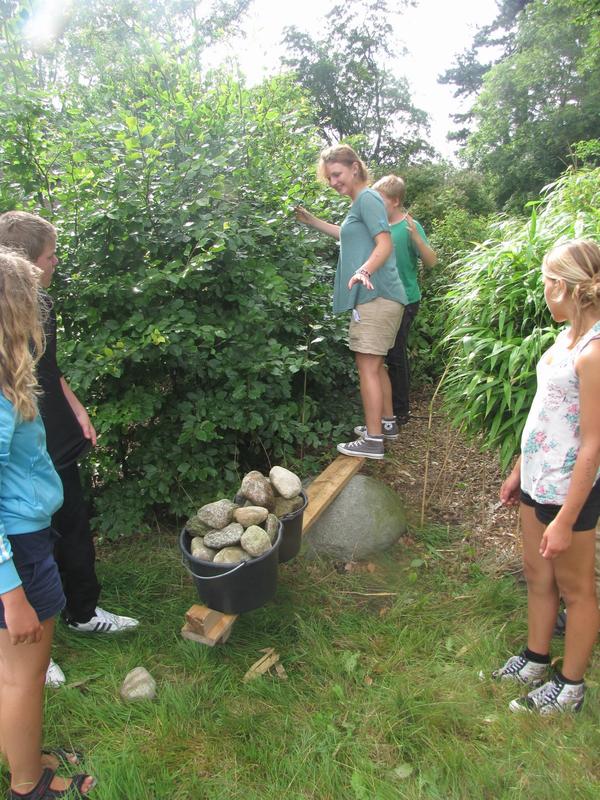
30 588
557 482
367 284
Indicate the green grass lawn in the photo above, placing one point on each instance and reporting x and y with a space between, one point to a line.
382 699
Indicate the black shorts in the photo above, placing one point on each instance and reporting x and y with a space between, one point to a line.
33 557
588 516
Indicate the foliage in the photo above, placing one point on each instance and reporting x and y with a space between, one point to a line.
355 94
468 72
538 99
456 233
497 321
194 309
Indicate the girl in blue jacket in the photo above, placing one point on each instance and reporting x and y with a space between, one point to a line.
30 588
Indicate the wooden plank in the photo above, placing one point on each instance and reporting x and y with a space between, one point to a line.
326 487
207 626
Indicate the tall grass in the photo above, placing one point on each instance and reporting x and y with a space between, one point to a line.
497 324
382 699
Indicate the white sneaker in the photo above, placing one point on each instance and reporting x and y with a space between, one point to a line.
104 622
55 677
551 697
521 669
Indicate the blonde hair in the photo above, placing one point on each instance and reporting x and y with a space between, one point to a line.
341 154
391 186
577 263
25 233
21 332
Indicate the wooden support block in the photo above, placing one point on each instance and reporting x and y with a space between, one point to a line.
206 626
326 487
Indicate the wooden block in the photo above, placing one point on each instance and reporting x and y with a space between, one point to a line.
201 619
206 626
326 487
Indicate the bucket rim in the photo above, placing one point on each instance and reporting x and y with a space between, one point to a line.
298 511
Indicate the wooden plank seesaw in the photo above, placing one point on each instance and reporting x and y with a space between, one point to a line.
209 627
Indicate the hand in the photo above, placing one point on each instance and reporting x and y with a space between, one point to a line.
360 277
22 622
86 426
510 491
304 216
556 539
412 229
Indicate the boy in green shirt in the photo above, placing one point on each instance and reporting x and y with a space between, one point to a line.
410 245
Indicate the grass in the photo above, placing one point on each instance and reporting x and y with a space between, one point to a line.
382 700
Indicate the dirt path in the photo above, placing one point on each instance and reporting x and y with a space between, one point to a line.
462 485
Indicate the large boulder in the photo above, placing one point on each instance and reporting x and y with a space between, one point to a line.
365 518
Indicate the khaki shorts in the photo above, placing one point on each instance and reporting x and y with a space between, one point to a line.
376 330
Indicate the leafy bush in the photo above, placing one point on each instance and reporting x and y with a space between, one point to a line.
497 323
195 310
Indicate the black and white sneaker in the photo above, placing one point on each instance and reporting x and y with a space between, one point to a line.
389 429
520 668
551 698
104 622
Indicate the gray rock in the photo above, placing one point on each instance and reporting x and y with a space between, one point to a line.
138 685
255 541
196 527
284 507
231 555
200 550
271 527
250 515
218 514
365 518
285 483
226 537
258 489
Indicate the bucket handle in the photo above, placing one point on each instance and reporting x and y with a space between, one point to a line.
213 577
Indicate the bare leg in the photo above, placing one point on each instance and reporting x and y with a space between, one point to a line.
386 388
23 675
371 392
22 678
574 571
542 591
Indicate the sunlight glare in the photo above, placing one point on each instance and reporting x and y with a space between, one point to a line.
47 23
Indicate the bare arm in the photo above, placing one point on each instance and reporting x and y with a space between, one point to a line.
557 536
79 411
427 255
379 255
510 491
306 218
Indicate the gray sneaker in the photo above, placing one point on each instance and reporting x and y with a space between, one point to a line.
520 668
389 430
554 696
363 448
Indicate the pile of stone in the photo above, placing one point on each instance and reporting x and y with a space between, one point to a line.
227 532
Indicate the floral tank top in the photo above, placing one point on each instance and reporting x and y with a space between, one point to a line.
551 439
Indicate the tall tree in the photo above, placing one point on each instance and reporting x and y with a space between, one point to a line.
347 73
469 70
539 99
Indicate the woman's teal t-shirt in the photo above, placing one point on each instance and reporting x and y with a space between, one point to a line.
367 217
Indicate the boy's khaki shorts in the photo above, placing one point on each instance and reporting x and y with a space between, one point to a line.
376 330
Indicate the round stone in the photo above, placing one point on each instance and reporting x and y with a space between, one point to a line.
285 483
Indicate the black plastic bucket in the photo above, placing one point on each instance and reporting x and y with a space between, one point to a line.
233 588
292 532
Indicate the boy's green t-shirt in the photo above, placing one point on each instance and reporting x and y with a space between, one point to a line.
407 258
365 219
